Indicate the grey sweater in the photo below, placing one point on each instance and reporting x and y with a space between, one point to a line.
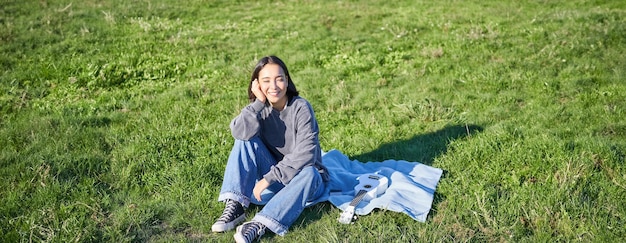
291 135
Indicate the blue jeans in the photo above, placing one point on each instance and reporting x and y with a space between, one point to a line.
247 163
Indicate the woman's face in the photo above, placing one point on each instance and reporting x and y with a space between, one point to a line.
273 83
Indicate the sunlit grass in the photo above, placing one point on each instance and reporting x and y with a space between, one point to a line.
114 115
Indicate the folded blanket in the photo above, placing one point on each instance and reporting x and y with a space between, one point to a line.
411 184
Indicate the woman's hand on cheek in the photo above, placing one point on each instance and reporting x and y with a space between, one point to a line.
256 90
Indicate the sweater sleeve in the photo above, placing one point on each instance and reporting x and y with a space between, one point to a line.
246 125
304 153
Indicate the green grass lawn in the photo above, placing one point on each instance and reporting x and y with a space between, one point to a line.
114 114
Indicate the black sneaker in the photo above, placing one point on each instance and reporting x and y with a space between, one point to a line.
248 232
233 215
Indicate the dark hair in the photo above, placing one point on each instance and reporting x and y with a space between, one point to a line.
291 87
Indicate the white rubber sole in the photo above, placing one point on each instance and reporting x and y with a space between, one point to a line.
222 227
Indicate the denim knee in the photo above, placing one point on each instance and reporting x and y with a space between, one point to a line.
308 173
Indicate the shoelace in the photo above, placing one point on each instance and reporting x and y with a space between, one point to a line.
252 231
229 211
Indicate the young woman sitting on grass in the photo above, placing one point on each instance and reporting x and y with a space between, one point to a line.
276 159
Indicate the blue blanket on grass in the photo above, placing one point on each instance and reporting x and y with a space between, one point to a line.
411 184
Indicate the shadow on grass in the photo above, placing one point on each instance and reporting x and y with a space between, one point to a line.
314 213
423 148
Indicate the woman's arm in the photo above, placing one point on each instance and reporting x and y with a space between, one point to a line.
246 125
